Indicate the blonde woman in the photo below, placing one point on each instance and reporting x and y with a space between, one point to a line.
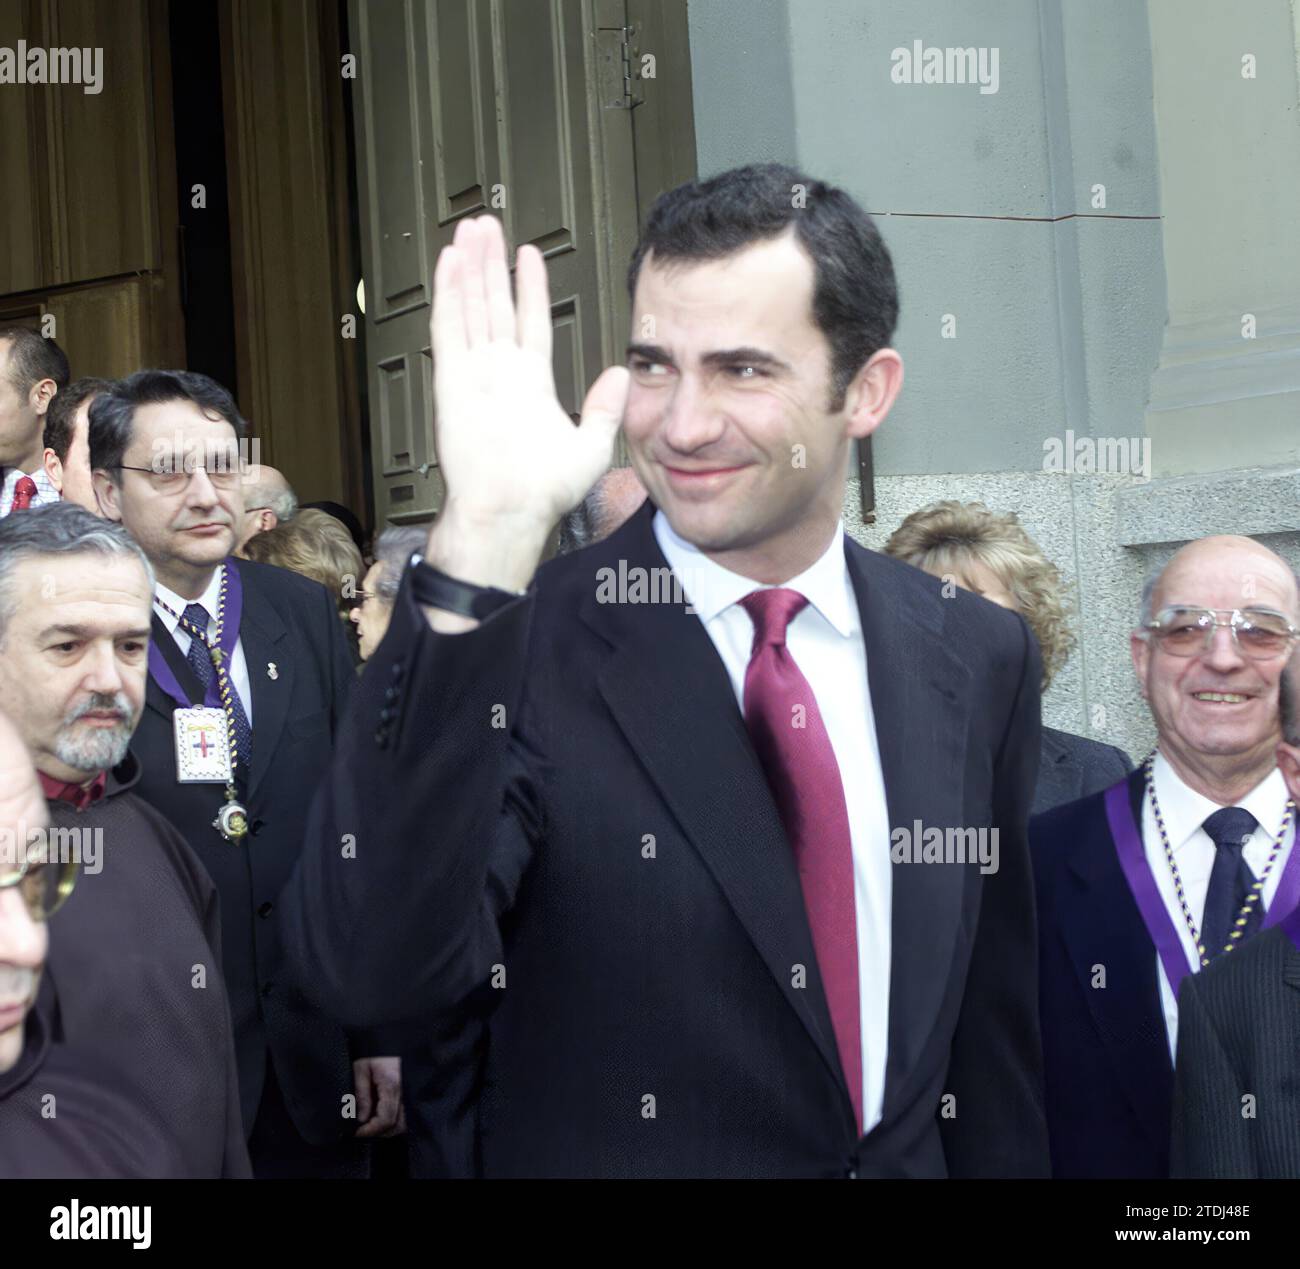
992 555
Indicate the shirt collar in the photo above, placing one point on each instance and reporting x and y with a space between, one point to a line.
210 600
80 795
713 589
1184 811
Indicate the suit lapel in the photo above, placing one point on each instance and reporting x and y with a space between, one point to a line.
1104 927
920 703
264 636
669 693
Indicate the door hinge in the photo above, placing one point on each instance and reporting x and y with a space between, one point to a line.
622 65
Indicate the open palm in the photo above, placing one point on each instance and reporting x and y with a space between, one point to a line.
507 449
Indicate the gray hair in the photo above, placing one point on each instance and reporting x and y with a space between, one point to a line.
393 548
62 528
284 502
581 526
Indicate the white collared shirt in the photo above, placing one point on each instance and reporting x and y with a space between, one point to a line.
1184 811
45 490
210 599
825 640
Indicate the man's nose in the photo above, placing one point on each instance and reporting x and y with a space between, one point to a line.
690 423
1223 654
201 492
22 940
103 673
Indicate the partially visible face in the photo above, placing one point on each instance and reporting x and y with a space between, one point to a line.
71 476
1219 704
19 422
727 419
195 525
372 615
23 939
73 660
977 576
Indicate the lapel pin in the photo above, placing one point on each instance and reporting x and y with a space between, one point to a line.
271 671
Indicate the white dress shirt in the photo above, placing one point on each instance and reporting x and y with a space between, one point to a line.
825 640
45 490
210 599
1184 811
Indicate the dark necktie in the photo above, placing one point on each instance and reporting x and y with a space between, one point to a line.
791 742
1230 880
200 660
24 492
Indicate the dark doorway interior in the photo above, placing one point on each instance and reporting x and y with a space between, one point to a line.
207 294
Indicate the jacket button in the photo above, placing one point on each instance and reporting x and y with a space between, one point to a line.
391 694
381 737
265 910
256 827
851 1174
386 714
398 669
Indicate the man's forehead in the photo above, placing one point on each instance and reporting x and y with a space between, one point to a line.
178 424
1241 574
766 282
83 577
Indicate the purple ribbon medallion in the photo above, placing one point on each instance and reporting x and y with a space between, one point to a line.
1155 916
234 605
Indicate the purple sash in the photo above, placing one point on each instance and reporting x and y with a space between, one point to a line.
1160 926
162 672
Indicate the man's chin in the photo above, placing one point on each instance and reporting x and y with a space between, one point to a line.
11 1045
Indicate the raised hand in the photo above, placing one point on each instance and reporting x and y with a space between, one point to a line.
513 461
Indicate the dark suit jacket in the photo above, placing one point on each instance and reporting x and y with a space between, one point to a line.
1105 1050
291 622
1239 1034
560 814
1073 767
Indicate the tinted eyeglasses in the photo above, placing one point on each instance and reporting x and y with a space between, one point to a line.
1258 633
44 883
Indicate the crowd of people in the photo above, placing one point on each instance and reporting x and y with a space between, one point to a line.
325 857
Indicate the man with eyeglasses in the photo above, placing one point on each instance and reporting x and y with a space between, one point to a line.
136 949
1178 866
101 1125
248 678
1236 1096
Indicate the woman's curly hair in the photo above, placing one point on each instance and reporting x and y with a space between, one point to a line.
945 536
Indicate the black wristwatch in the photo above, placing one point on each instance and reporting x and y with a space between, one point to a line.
435 588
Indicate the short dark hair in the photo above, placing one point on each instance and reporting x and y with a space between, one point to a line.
61 417
32 358
113 411
855 293
1288 701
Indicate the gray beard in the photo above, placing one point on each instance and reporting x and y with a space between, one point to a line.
94 749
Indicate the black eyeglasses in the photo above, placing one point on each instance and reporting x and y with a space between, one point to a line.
44 884
1257 633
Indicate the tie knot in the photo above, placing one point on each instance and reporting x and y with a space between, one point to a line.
197 615
1230 828
25 485
771 612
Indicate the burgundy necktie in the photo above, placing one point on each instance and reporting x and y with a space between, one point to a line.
791 741
24 492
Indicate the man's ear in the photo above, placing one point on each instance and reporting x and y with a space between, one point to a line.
1288 763
268 518
106 494
872 391
41 395
53 469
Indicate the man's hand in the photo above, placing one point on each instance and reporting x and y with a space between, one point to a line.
513 461
377 1083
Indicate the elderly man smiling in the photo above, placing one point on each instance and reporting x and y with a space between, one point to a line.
1149 881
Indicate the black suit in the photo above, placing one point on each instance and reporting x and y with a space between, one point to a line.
1105 1049
290 622
1073 766
1239 1035
568 796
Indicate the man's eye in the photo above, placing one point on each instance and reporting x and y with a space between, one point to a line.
133 647
66 648
745 372
643 367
